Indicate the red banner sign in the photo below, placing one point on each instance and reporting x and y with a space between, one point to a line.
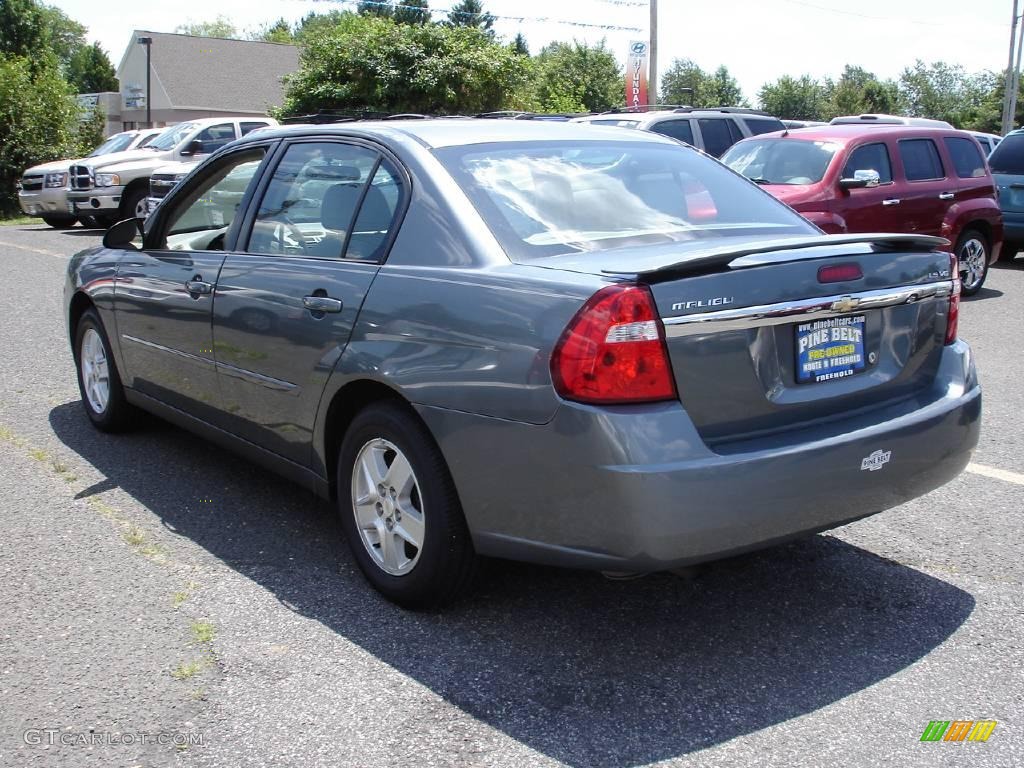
636 74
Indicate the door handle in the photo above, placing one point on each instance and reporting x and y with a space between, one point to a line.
946 196
891 201
198 287
321 304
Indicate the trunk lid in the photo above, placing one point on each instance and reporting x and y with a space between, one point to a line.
759 344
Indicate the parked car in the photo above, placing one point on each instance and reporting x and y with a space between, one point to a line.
116 186
917 122
893 178
802 123
1007 164
542 341
988 141
712 130
43 190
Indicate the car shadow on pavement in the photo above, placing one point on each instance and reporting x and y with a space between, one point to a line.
586 671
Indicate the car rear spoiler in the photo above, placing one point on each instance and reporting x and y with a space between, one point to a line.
703 259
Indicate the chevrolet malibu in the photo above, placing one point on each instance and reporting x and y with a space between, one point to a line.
547 342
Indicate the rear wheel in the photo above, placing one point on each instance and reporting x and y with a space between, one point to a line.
400 511
98 378
60 222
972 253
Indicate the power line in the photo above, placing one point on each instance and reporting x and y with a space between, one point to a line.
520 19
843 12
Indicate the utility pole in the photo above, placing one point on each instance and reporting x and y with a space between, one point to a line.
652 80
1007 116
1012 110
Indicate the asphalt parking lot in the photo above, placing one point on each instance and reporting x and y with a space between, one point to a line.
169 604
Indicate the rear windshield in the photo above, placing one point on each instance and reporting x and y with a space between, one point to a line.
1008 156
781 161
551 198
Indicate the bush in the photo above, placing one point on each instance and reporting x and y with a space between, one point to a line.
366 62
38 120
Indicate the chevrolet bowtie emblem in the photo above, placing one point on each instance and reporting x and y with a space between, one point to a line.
845 304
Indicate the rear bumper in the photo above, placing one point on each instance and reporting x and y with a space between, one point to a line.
637 489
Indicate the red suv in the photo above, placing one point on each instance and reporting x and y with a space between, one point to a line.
878 178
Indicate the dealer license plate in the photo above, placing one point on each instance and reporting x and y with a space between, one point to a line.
829 349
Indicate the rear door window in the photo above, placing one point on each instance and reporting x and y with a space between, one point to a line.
676 129
921 160
717 135
869 157
215 137
966 157
759 125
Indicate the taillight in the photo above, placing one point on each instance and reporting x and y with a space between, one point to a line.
613 351
953 316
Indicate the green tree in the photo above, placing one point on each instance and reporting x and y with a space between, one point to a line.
802 98
30 29
66 37
683 83
376 8
40 120
279 31
369 63
575 77
412 12
989 115
723 90
91 127
858 92
943 91
313 23
519 45
222 26
470 13
90 71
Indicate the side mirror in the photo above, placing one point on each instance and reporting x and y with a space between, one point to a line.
861 179
194 147
123 235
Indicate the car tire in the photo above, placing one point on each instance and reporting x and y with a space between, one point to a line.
1009 250
98 377
60 222
133 204
96 222
386 443
972 253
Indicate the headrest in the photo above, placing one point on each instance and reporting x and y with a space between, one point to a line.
339 205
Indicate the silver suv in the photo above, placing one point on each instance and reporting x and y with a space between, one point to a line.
713 130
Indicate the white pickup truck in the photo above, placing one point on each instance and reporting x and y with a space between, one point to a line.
116 186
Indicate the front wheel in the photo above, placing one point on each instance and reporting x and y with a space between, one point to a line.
98 378
972 253
133 204
400 511
60 222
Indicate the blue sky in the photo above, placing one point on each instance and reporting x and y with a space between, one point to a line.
758 40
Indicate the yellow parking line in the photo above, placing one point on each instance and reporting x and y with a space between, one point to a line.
5 244
999 474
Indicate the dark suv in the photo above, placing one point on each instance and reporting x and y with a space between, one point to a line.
884 178
1007 163
713 130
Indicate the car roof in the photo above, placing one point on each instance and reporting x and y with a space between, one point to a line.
449 132
651 117
847 133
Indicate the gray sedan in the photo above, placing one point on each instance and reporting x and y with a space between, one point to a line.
548 342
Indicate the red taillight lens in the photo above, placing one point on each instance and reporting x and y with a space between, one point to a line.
613 351
839 273
953 317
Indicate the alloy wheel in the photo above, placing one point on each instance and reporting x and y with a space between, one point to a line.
388 507
972 258
95 372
